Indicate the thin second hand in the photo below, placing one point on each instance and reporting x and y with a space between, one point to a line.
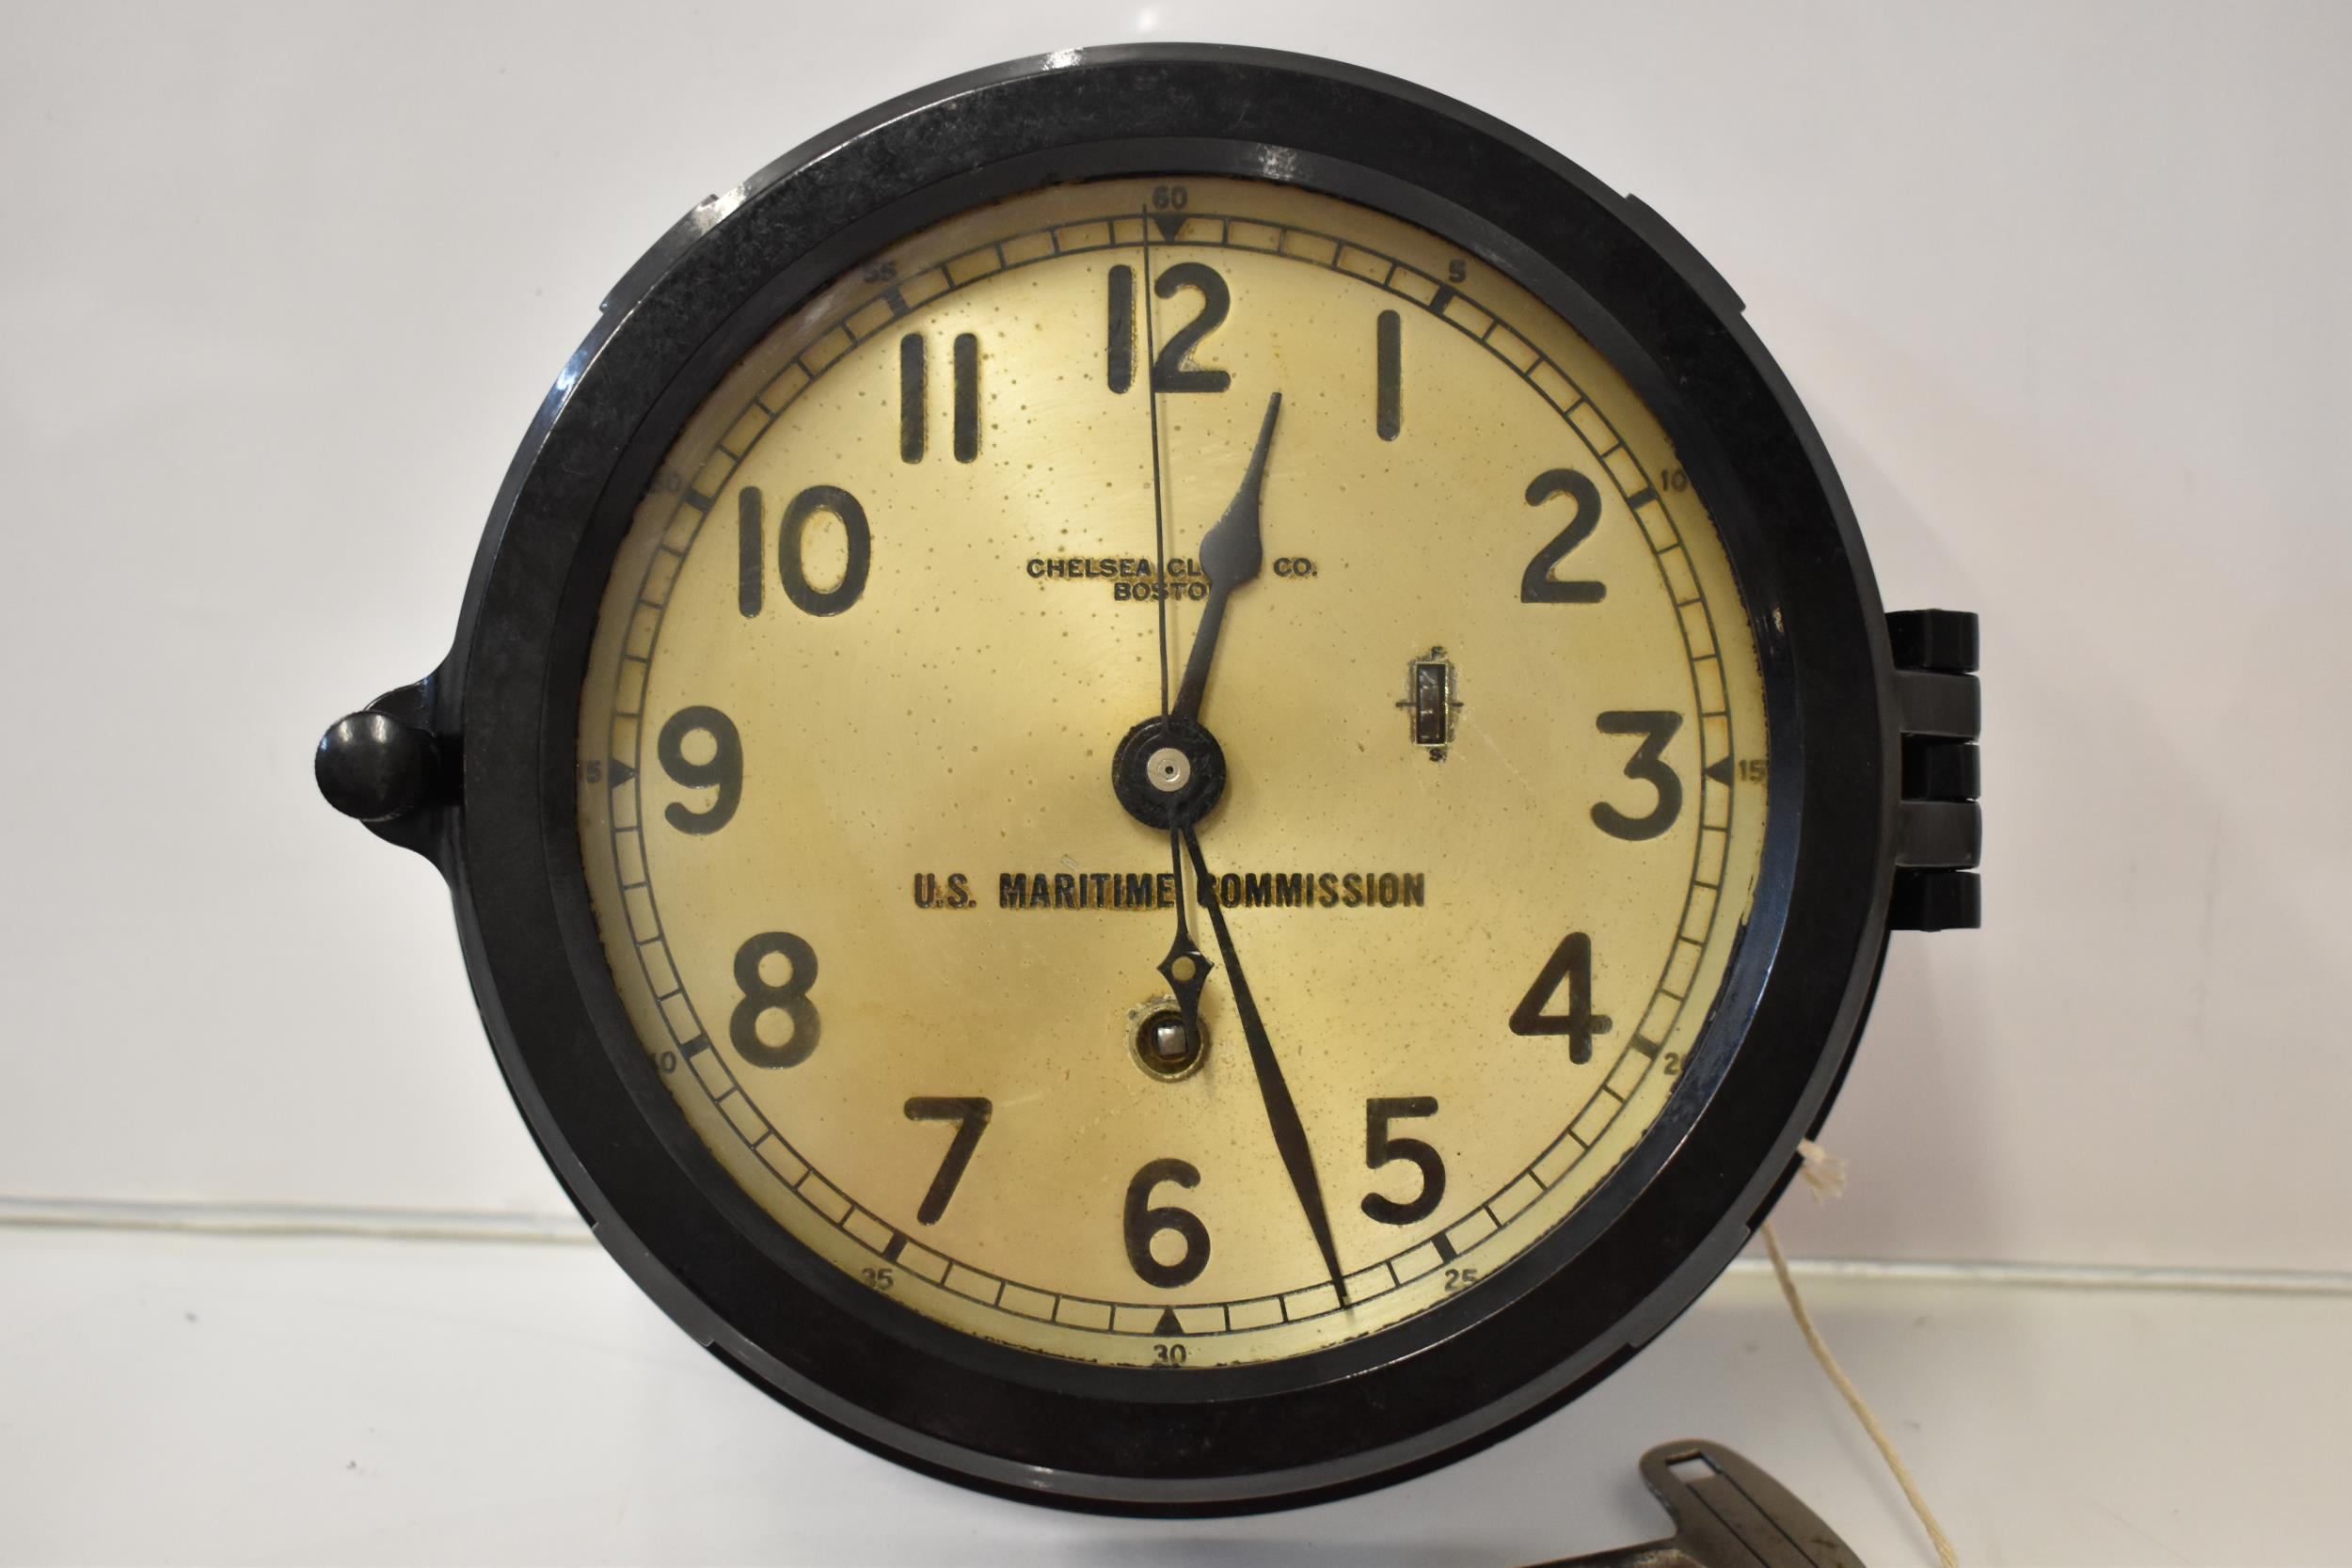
1159 548
1159 509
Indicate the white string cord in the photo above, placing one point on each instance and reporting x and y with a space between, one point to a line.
1825 1177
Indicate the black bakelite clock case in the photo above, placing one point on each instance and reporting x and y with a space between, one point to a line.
495 806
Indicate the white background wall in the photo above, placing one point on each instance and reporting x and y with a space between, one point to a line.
281 285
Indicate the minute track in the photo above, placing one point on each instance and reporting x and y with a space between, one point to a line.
1463 1230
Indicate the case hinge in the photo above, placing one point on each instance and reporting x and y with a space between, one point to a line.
1940 833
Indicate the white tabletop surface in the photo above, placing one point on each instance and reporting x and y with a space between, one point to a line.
197 1399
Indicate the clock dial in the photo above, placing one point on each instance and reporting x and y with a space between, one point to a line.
1169 771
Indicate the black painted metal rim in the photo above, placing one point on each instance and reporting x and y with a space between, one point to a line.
1228 1439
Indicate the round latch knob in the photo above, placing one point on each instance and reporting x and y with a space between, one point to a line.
374 768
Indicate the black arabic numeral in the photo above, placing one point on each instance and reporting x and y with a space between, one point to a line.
914 396
1648 767
914 407
1173 369
1536 584
1381 1149
1572 958
968 404
723 771
791 537
1142 1222
1388 408
1118 362
970 1114
788 997
791 553
750 552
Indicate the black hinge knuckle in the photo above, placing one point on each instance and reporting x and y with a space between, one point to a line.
1936 901
1939 836
1940 831
1937 769
1935 703
1941 640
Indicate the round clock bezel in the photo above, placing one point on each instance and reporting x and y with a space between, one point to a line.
1356 1415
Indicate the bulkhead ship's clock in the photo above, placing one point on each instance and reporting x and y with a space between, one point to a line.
1171 776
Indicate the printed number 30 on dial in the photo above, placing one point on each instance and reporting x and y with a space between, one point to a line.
1169 771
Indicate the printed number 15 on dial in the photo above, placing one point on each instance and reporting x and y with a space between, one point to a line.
1169 771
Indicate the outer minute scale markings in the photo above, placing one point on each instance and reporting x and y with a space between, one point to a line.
901 312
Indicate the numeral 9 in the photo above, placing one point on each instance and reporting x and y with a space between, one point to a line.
723 771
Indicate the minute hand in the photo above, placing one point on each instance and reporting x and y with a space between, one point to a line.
1281 1111
1231 555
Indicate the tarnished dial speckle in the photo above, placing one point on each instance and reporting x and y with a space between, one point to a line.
1490 737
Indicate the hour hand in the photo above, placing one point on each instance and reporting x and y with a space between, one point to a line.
1232 554
1186 968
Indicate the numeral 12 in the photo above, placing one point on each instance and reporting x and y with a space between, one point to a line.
1172 368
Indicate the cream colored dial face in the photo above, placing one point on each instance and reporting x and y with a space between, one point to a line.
1491 719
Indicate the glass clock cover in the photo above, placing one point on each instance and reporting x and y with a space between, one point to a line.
1172 775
